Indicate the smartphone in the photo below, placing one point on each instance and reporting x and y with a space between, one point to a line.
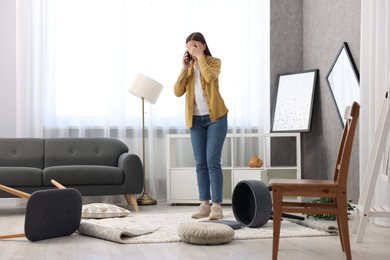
189 58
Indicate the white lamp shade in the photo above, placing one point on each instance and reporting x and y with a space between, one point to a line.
145 87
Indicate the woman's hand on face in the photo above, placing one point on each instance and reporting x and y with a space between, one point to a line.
195 48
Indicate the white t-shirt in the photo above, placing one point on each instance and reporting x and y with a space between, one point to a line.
200 106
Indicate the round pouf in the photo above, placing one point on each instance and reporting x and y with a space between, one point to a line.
204 233
252 203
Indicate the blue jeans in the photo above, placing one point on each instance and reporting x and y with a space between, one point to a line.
207 140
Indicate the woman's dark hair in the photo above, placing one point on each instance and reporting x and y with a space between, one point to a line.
197 36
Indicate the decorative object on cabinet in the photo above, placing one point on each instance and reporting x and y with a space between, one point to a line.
343 80
149 90
255 162
294 101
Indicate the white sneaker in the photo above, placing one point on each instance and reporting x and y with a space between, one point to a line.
203 211
216 212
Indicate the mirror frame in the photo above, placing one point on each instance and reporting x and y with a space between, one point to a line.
343 80
294 101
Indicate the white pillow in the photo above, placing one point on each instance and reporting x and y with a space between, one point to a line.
103 210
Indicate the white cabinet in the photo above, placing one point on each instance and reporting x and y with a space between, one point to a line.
249 174
181 173
184 185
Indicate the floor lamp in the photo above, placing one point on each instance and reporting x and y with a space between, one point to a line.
148 90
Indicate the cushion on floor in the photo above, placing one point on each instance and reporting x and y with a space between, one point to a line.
103 210
205 233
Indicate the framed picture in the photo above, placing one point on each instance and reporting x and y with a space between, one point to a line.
294 101
343 80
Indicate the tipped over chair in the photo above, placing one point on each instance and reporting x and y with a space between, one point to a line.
336 189
49 213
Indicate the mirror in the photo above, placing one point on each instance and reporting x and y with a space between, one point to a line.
343 80
294 101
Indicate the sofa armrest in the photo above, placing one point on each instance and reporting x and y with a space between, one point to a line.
133 172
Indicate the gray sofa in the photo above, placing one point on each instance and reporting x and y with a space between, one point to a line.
94 166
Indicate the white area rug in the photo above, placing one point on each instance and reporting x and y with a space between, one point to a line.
138 228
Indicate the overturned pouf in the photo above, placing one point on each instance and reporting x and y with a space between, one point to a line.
204 233
252 203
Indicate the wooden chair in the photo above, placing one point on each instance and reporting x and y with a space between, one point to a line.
49 213
336 189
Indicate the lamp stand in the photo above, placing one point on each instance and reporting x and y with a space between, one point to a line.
145 199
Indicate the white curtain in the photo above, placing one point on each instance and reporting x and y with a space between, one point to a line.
375 73
77 58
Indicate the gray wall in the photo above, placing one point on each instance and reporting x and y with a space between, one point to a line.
286 48
307 34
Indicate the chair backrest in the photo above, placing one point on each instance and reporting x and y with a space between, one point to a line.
52 213
344 154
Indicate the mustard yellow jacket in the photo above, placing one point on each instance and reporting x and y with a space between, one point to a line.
210 68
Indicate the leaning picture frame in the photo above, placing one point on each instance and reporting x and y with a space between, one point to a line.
343 80
294 101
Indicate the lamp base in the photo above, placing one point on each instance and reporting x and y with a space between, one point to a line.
146 200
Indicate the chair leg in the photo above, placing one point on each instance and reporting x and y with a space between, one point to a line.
277 218
340 233
13 235
14 191
344 230
131 199
57 184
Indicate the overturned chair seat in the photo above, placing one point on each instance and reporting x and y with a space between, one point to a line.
49 213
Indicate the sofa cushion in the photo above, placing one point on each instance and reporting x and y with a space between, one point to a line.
21 152
83 151
83 175
20 176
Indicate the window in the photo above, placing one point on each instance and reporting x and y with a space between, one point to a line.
94 48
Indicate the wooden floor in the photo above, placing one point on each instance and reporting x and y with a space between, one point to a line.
376 244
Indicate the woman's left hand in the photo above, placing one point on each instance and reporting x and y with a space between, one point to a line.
196 50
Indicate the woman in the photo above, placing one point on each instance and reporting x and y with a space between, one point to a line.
206 116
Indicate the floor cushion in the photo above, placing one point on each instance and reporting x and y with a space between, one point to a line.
205 233
103 210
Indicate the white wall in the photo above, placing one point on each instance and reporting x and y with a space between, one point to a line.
7 68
